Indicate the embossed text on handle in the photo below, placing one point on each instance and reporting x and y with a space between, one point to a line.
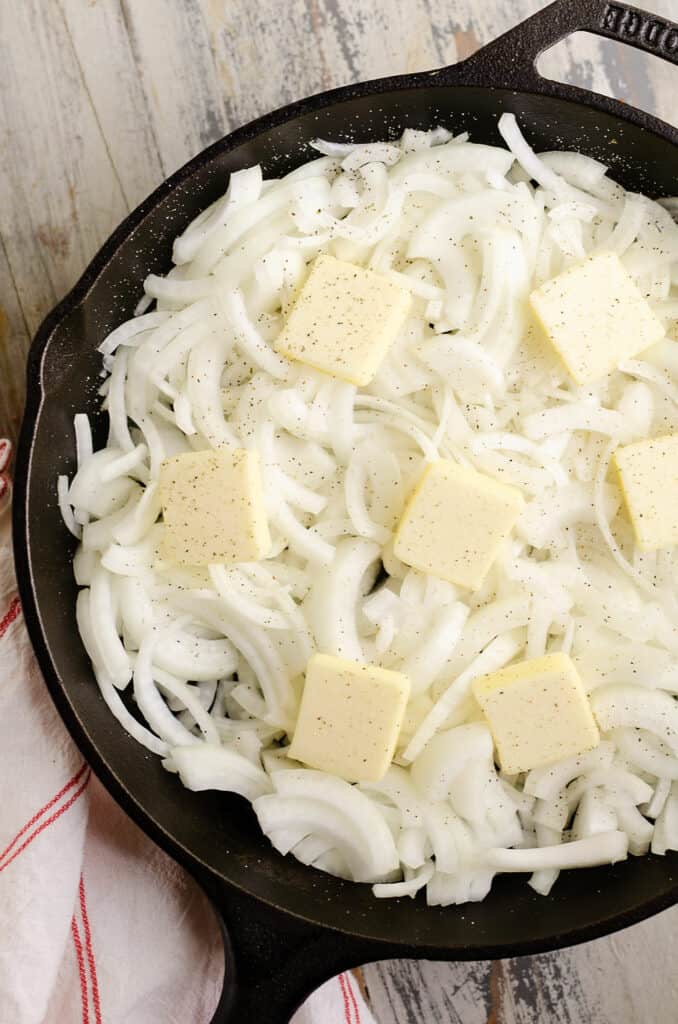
626 23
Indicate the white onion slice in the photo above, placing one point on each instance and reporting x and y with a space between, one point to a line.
150 703
497 654
430 656
448 754
471 885
108 691
333 599
386 890
666 827
209 766
637 707
369 861
115 659
397 786
131 330
65 507
605 848
547 782
363 813
187 697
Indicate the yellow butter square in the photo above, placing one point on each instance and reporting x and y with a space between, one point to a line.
213 508
538 712
344 320
455 522
349 718
595 317
648 472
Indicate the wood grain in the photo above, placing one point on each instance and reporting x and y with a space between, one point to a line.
628 978
101 100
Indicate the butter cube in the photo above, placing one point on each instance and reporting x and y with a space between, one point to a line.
595 317
455 522
213 508
538 712
648 472
344 320
350 717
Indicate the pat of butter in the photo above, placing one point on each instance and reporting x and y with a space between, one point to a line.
213 508
648 472
455 522
538 712
350 717
344 320
595 317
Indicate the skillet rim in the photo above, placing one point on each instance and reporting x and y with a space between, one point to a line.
468 74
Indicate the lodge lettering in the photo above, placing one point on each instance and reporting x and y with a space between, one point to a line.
629 24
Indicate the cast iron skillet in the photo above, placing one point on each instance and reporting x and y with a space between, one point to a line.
287 927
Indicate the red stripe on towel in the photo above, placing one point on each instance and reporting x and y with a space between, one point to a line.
10 615
354 1001
81 971
347 1008
46 823
90 952
43 810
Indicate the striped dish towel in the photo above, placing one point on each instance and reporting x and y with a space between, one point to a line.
97 924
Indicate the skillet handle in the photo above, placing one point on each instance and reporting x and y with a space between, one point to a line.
273 961
509 62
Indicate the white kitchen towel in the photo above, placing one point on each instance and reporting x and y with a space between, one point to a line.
97 924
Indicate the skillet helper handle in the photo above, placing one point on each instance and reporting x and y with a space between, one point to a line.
509 62
273 962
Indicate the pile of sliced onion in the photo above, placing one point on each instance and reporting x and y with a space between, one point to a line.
203 667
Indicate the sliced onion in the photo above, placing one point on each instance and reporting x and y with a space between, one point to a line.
637 707
397 786
605 848
66 509
333 599
311 816
646 752
365 819
209 766
448 754
424 665
132 329
549 781
666 827
410 887
218 654
150 703
115 659
185 696
470 885
497 654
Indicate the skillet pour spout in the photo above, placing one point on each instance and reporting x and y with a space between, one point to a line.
287 927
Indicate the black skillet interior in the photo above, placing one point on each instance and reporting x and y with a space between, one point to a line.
291 926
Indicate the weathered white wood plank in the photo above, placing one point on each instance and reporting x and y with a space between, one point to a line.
14 338
173 56
628 978
61 196
114 89
336 41
413 992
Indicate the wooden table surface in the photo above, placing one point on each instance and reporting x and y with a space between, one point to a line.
101 100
